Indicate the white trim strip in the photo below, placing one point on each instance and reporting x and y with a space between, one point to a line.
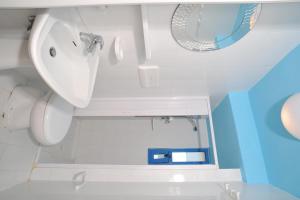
68 3
144 11
160 106
212 132
97 173
127 167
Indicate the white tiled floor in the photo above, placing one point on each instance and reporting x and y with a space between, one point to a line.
9 178
18 158
3 147
17 153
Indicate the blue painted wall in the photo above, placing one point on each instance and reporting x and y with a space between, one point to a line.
258 110
237 138
253 166
280 150
226 136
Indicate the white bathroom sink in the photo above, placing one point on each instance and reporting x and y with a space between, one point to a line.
61 58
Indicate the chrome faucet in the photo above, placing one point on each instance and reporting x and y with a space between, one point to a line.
91 40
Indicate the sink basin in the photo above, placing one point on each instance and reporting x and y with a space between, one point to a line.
61 58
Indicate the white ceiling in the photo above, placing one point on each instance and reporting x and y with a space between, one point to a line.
185 73
182 73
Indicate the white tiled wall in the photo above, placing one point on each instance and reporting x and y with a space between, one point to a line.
17 153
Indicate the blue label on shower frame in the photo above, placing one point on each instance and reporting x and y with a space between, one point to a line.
163 156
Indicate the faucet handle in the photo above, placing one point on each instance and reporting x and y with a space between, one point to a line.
98 39
85 37
91 40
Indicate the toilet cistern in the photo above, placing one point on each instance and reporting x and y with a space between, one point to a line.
50 119
47 116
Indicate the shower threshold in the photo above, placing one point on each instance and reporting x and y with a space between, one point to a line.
134 173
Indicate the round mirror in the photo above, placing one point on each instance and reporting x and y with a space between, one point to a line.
206 27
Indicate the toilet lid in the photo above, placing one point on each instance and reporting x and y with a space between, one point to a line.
57 119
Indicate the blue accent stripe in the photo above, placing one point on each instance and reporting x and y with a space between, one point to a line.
240 28
166 156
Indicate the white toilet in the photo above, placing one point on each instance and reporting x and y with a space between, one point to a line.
49 117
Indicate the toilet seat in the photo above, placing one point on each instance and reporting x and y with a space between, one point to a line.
50 119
